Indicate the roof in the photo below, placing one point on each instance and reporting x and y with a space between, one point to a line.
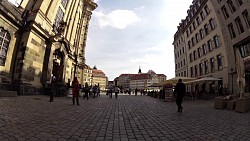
11 10
161 75
141 76
98 73
124 75
151 72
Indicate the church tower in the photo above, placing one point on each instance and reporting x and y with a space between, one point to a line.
139 72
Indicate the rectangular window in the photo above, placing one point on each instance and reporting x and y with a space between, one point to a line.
58 19
200 69
216 41
191 71
225 13
199 52
209 45
206 9
190 29
194 54
212 64
64 3
198 20
185 74
195 70
206 66
183 50
212 24
189 45
201 34
240 2
219 1
202 15
231 31
197 37
187 33
245 50
219 62
193 42
231 6
194 26
190 57
239 25
4 45
246 18
204 49
206 29
184 62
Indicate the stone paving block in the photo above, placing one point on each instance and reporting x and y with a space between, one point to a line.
127 118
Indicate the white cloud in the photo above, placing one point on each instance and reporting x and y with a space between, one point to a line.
96 1
118 18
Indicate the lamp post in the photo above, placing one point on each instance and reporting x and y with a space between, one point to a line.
232 75
76 62
92 80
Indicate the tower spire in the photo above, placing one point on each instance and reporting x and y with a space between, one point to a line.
139 72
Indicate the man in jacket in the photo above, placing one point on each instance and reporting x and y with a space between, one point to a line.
179 93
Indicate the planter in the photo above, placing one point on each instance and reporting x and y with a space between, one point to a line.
242 105
231 104
220 103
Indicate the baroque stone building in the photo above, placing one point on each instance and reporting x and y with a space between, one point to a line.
140 81
206 41
99 78
41 39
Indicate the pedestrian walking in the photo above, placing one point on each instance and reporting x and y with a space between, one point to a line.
98 90
179 92
75 85
110 91
86 91
136 90
68 87
116 91
95 89
53 82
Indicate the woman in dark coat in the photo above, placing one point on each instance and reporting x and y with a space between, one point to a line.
75 86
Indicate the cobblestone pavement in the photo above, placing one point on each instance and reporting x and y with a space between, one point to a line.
127 118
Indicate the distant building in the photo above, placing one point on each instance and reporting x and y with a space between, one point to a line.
87 75
99 78
140 80
124 81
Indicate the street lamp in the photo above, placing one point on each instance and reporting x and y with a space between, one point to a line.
92 80
76 62
232 75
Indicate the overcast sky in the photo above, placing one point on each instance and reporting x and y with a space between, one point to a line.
126 34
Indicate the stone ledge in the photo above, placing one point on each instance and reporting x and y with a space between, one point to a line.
8 93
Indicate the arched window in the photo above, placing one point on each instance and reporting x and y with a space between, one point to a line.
4 45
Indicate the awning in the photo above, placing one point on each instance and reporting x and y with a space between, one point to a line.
204 79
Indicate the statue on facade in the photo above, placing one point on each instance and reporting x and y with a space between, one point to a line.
61 28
